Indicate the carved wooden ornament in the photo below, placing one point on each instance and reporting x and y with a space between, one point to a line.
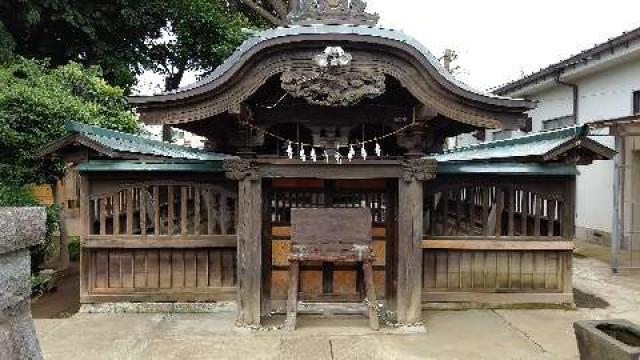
240 169
418 170
333 12
333 87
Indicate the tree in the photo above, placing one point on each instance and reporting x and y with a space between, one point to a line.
124 37
448 60
111 34
198 36
273 12
35 104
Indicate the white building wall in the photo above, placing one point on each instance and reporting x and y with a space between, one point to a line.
553 103
604 94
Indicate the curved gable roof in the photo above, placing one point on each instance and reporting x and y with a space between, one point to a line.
363 34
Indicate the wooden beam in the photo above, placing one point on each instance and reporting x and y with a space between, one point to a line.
357 169
129 206
497 245
161 295
409 261
143 211
498 298
249 251
85 221
160 242
170 210
184 218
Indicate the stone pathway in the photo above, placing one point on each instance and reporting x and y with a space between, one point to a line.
472 334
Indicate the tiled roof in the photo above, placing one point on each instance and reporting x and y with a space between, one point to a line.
127 143
539 146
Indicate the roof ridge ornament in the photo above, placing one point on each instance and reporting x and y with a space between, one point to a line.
331 12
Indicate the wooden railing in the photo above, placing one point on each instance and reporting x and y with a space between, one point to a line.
487 239
485 210
151 215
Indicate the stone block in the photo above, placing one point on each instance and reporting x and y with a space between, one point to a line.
14 277
17 334
607 339
21 228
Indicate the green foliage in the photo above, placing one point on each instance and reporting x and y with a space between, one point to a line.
74 248
35 104
21 196
201 34
111 34
38 284
124 37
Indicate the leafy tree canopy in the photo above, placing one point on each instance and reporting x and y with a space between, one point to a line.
125 37
35 104
111 34
199 35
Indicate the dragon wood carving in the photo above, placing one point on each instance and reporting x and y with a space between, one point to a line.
333 88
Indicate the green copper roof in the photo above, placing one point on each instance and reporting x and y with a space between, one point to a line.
151 165
128 143
506 168
534 145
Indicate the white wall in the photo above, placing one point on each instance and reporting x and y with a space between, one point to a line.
605 94
553 103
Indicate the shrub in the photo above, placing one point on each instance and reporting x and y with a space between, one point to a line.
74 248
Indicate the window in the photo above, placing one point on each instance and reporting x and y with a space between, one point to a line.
636 102
557 123
502 135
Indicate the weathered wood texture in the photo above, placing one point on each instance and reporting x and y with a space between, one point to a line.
345 237
158 241
165 271
493 236
410 231
494 271
497 208
161 209
249 251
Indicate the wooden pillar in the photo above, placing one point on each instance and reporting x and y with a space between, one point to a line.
569 233
249 233
391 246
85 225
266 247
409 239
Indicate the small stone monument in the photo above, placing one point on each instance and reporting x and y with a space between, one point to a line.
20 228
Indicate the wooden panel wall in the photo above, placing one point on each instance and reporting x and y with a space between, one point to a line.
160 241
493 271
138 271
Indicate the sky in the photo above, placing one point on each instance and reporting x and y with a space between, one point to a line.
498 40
